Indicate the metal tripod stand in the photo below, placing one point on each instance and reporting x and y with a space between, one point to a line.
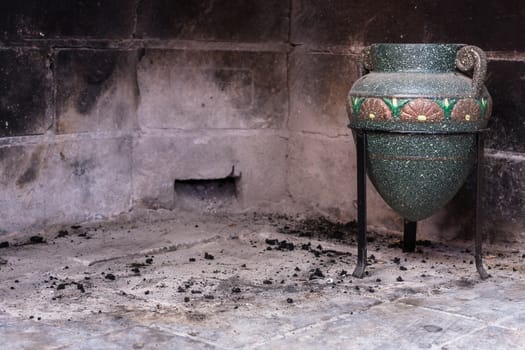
410 227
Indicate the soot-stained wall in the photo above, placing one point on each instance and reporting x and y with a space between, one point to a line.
105 104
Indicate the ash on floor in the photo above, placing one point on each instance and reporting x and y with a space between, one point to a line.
250 281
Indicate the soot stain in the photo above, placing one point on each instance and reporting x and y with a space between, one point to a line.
84 76
32 171
81 167
95 74
24 93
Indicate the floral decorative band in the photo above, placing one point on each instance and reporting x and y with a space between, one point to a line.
422 110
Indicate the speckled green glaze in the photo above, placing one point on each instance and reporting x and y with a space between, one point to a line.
416 174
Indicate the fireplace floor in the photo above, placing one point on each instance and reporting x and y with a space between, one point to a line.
238 282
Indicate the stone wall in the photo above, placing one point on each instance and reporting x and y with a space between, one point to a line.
104 105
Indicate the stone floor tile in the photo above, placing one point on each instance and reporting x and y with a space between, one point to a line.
387 326
489 338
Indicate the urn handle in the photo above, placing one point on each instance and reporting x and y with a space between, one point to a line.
366 60
473 58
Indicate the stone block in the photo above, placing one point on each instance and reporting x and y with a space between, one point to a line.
25 92
503 204
92 176
212 89
223 20
22 201
96 90
490 25
319 84
322 178
506 84
64 182
259 160
355 22
504 198
59 19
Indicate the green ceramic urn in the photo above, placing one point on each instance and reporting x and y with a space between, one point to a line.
421 106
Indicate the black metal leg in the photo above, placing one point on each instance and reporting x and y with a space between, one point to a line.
479 178
359 271
409 236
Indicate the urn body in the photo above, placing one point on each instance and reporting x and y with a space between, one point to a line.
421 106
